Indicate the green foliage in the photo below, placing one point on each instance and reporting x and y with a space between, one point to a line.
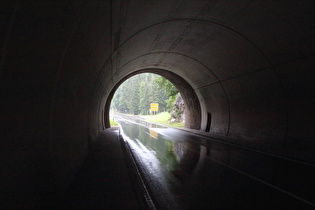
171 102
170 89
135 95
163 118
165 84
113 123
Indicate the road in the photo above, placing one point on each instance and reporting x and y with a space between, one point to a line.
186 171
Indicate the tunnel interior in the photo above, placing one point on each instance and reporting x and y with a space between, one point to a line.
249 65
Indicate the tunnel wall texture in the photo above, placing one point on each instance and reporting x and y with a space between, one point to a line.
251 64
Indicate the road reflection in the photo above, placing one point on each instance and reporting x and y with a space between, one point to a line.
187 171
167 164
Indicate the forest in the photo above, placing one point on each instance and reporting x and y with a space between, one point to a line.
135 95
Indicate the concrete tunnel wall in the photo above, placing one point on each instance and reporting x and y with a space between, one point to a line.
250 63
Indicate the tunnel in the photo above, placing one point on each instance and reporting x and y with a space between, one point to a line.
246 69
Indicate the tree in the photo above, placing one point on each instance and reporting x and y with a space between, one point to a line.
163 83
135 95
170 90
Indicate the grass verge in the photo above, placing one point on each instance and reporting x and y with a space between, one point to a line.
113 123
163 118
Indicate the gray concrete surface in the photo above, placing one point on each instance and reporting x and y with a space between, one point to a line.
106 180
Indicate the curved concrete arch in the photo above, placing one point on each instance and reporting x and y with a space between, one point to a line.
188 21
120 49
203 111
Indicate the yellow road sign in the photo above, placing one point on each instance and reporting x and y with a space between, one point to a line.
154 106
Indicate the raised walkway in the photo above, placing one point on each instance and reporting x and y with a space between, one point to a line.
108 179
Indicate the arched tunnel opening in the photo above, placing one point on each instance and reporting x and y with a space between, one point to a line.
192 105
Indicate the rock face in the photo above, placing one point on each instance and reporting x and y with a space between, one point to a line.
178 111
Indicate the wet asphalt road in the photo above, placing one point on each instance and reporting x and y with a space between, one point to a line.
186 171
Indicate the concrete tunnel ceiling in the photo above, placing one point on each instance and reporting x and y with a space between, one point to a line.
250 65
